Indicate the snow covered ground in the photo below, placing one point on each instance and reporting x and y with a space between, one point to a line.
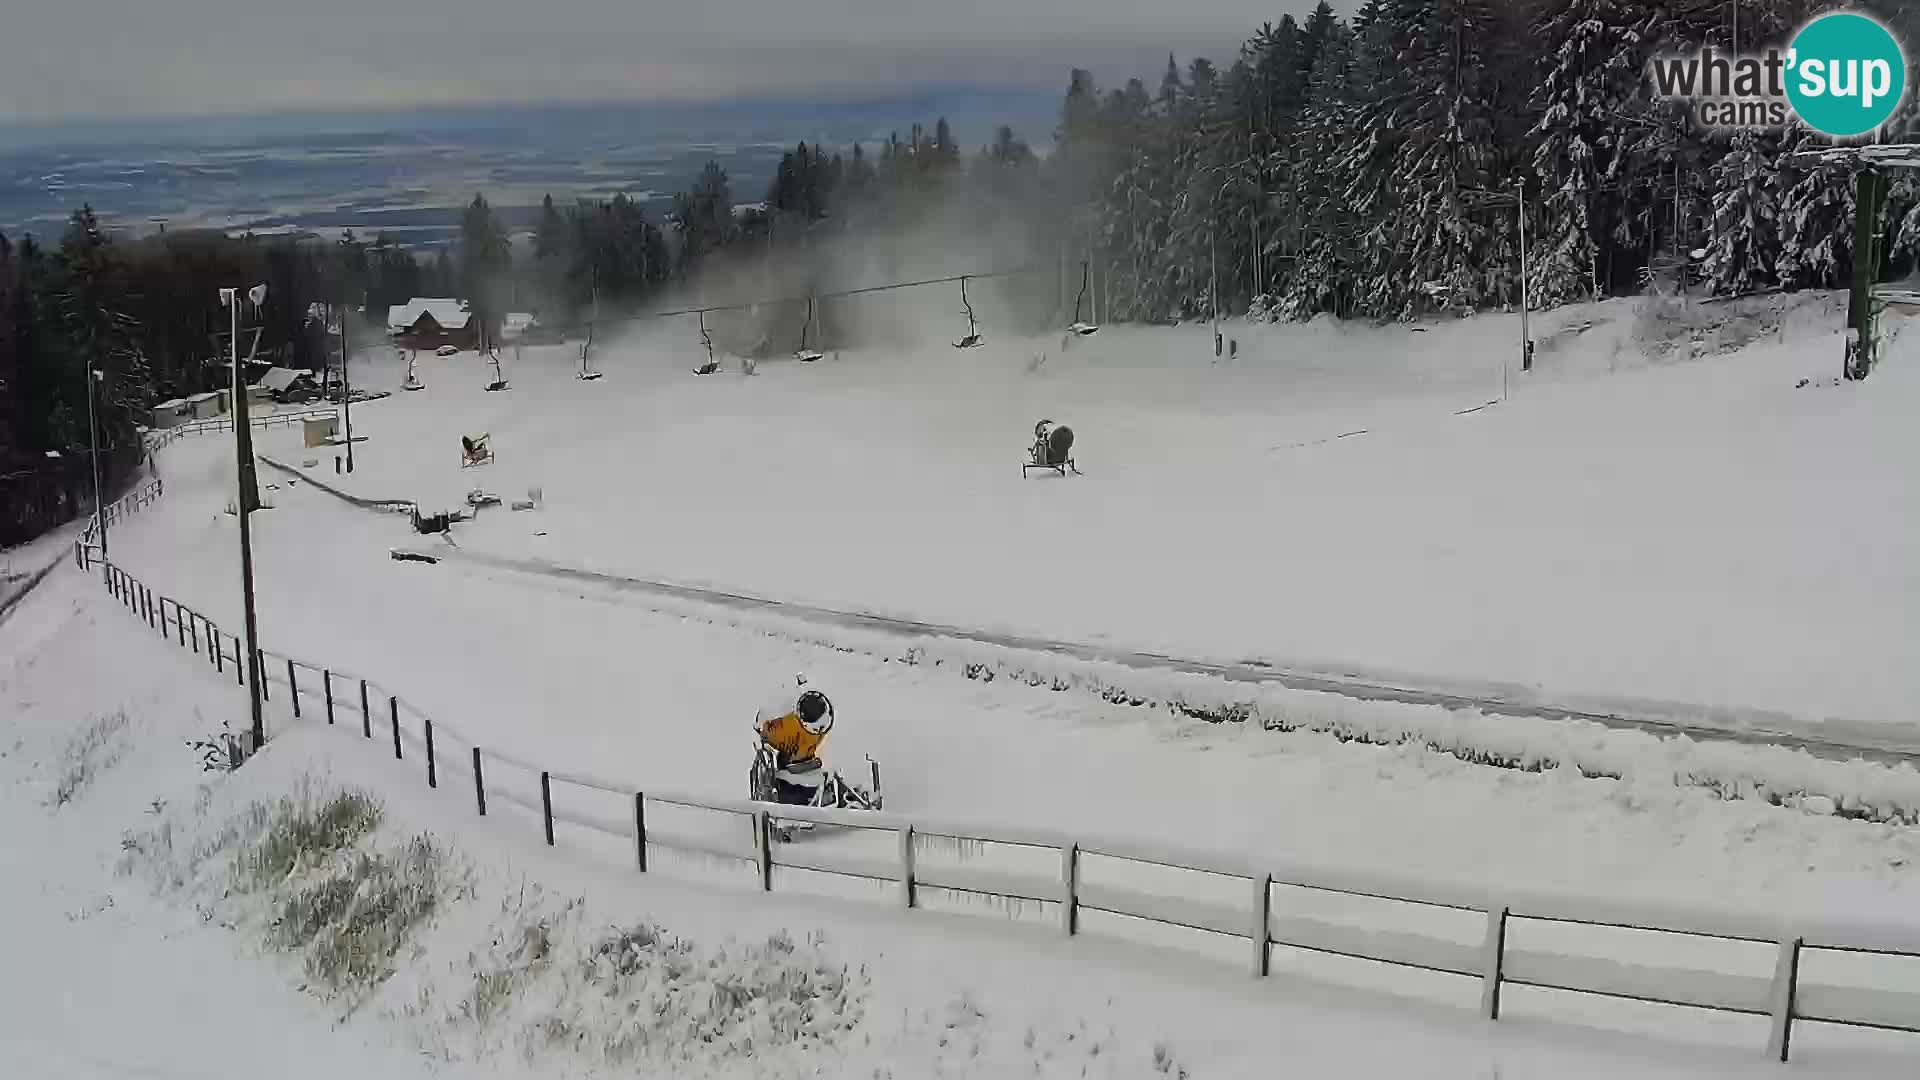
904 465
591 680
129 958
1699 531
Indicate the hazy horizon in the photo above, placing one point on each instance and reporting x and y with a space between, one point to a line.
83 60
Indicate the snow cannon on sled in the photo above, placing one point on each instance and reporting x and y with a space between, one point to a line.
835 792
1052 449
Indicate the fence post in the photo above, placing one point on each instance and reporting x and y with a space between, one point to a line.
194 625
393 713
1070 888
1494 955
546 804
259 665
240 668
326 687
433 779
1262 909
293 689
1786 978
906 866
180 622
216 648
640 830
479 784
366 712
762 849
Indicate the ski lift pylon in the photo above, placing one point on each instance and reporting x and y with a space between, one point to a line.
973 340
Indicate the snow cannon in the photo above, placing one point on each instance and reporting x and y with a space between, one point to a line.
1052 449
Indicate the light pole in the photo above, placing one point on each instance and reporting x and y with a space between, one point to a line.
93 439
346 384
1526 337
249 498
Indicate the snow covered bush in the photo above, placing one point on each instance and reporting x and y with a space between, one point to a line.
88 754
552 983
352 923
302 831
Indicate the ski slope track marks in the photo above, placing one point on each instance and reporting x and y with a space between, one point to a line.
1751 727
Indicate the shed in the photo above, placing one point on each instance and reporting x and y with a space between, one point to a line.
207 405
321 430
285 384
170 413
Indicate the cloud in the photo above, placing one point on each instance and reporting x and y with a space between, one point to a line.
133 58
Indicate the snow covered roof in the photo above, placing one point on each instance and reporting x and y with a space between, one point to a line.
446 311
279 378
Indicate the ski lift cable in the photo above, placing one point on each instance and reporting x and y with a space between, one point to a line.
1031 268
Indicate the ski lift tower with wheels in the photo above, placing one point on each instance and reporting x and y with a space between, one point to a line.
1870 165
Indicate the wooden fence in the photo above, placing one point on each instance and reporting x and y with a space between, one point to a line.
1488 959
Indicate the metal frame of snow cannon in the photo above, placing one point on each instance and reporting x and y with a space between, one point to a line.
836 792
804 354
1041 455
973 340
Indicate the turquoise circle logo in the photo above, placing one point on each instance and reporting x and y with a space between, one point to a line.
1847 74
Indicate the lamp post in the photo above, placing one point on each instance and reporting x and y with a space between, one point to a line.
249 498
93 440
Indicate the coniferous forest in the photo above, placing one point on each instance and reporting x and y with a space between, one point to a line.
1368 167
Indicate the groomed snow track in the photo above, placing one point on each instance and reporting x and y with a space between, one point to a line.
1749 727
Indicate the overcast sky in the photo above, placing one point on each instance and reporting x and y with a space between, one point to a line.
64 59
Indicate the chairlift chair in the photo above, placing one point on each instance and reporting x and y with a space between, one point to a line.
804 354
499 379
1079 325
973 340
706 338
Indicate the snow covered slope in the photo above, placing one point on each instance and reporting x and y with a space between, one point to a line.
1702 532
141 947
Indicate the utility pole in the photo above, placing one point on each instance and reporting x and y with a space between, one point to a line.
248 500
1526 335
93 437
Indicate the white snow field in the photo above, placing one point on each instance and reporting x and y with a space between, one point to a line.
1695 532
136 947
798 481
